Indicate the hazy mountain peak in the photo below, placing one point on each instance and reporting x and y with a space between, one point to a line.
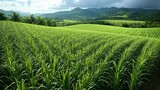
77 9
104 13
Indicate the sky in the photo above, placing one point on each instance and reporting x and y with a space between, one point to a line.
50 6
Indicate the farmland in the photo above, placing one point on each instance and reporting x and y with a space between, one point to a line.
127 23
124 21
78 57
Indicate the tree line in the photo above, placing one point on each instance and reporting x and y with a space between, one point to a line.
146 24
60 22
35 20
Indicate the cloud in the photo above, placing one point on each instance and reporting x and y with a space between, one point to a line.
115 3
154 4
9 5
45 6
32 6
90 3
29 2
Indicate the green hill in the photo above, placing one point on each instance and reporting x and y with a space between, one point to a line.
78 57
76 13
6 12
107 13
10 12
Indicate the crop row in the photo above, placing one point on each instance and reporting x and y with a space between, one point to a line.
139 32
38 57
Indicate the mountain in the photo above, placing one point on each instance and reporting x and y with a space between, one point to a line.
105 13
10 12
130 13
76 13
6 12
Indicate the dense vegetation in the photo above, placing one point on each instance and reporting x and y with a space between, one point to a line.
108 13
79 57
36 20
150 17
102 14
60 22
122 23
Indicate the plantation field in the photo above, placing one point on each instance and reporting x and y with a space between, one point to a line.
78 57
128 23
139 32
124 21
70 21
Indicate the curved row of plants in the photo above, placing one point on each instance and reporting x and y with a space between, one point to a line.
43 58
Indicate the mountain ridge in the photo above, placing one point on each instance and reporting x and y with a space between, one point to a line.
9 12
104 13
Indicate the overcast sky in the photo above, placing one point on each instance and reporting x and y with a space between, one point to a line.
49 6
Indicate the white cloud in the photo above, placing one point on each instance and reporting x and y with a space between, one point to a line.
9 5
45 3
76 1
32 6
155 4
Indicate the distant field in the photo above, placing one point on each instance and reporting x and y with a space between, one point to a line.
78 57
70 21
139 32
67 23
124 21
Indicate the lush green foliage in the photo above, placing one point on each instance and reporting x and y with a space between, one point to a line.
37 20
122 23
77 57
3 16
60 22
15 16
108 13
140 32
